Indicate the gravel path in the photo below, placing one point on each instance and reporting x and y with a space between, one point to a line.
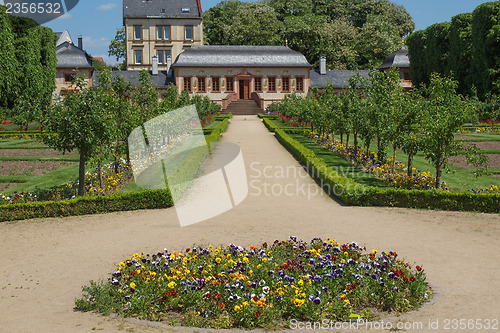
45 262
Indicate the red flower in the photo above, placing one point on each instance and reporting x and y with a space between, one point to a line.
257 314
405 279
221 306
419 269
412 279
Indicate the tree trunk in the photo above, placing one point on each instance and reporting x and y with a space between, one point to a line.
99 174
355 134
410 165
81 173
394 161
342 138
439 172
347 139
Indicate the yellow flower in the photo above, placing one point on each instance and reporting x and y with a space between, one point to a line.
374 251
236 308
264 259
132 285
218 260
300 283
297 302
245 303
346 253
347 301
171 284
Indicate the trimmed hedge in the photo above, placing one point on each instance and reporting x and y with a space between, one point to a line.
353 193
146 199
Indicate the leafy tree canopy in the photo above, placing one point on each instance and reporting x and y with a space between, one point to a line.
352 34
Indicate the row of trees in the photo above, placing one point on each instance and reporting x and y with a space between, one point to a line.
354 34
467 48
96 121
27 67
378 110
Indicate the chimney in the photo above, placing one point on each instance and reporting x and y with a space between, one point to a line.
169 64
80 42
322 65
155 65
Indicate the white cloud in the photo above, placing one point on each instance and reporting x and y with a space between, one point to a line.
95 42
107 6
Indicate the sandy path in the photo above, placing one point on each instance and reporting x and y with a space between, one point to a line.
44 263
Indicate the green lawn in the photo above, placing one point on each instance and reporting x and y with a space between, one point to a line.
340 165
54 178
459 179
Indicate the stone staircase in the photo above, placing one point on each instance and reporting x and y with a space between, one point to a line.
243 107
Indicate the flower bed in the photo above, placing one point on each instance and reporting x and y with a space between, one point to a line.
393 172
112 183
262 286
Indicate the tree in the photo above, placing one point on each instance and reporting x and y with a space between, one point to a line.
446 113
242 23
8 72
81 121
486 48
460 51
340 29
28 69
118 46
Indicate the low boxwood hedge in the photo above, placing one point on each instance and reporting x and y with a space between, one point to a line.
353 193
146 199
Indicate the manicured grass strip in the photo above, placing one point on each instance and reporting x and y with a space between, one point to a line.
54 178
147 199
481 136
61 158
20 144
494 170
14 179
340 165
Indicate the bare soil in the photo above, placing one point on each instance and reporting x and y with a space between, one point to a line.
460 161
28 168
46 261
486 144
32 152
6 186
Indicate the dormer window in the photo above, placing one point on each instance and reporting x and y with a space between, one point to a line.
186 10
163 10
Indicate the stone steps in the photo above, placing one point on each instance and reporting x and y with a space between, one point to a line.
243 107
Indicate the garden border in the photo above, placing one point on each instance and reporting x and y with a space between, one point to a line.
146 199
353 193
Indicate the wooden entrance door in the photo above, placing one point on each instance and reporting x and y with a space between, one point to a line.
244 88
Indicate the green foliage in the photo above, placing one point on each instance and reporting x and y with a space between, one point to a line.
198 291
81 121
28 68
118 46
351 192
468 47
354 34
241 23
146 199
447 112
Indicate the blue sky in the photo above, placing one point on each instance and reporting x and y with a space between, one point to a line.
97 20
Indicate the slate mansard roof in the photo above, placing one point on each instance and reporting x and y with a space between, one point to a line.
161 9
338 78
240 56
398 59
70 56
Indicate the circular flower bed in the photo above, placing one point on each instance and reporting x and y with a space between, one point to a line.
264 286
